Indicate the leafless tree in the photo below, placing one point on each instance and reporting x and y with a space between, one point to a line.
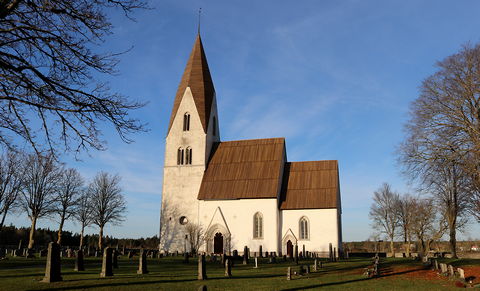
69 189
108 203
195 234
429 224
441 150
50 93
11 175
40 182
406 217
84 213
383 212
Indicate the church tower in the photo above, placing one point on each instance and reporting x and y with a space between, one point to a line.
192 131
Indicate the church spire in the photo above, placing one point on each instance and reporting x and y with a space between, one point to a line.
197 77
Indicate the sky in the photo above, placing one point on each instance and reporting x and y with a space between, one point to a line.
335 78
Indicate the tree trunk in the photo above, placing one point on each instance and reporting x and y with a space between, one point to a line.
32 232
60 228
453 241
100 240
392 248
81 237
3 220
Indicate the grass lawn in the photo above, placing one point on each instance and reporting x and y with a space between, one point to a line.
171 274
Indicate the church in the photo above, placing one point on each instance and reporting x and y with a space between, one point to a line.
232 194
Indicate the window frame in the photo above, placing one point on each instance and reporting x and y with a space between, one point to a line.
304 231
258 225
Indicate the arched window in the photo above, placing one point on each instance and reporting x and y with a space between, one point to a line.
186 122
214 126
258 225
188 156
304 233
180 154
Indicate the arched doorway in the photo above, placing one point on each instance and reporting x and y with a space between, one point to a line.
289 249
218 243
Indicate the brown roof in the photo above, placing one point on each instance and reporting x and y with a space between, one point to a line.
310 185
244 169
197 77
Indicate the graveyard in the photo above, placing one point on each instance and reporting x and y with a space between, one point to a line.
139 271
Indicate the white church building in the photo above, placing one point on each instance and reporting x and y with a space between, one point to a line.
244 192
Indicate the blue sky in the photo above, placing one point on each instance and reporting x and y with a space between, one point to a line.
335 78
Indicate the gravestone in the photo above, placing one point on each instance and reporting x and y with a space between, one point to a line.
25 252
461 273
202 288
334 254
20 245
303 250
245 255
443 268
296 254
228 268
79 266
14 253
69 253
256 262
289 273
115 259
272 260
224 259
185 258
315 265
321 264
130 255
96 253
451 272
266 254
330 251
284 258
142 262
53 266
436 264
307 269
202 272
107 269
30 254
235 254
260 250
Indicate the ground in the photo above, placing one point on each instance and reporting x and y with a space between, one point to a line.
172 274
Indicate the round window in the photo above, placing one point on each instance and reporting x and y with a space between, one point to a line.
183 220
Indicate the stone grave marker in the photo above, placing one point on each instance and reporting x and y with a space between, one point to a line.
107 269
296 254
185 258
115 259
142 262
436 264
284 258
245 255
53 266
443 268
260 251
451 272
289 273
202 272
69 253
303 250
202 288
79 266
228 268
130 254
307 269
315 265
461 273
235 254
256 262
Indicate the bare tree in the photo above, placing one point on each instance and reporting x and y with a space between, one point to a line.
50 93
69 190
108 203
429 224
406 217
42 175
84 213
11 175
383 212
195 234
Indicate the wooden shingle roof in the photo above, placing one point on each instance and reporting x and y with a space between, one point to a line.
310 185
244 169
197 77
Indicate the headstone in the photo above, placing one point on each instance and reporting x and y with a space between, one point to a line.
202 288
266 254
296 254
451 272
330 252
272 260
224 259
443 268
228 268
245 255
321 264
142 262
335 254
115 259
69 253
14 253
53 268
25 252
185 258
315 265
79 266
307 269
436 264
30 254
235 254
202 272
20 245
303 250
260 250
107 269
289 273
256 262
130 255
176 253
461 273
96 253
284 258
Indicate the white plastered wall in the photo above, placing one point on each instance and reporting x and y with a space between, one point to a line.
324 228
182 183
238 217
